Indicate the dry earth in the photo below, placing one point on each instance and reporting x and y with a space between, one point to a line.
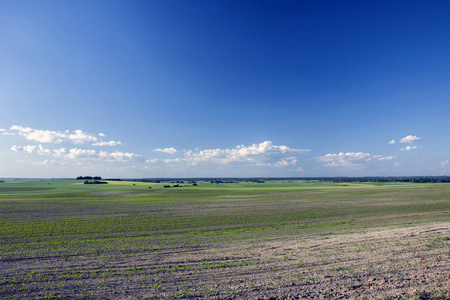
394 263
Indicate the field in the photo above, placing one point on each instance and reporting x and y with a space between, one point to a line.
245 240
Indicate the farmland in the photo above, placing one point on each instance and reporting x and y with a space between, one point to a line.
240 240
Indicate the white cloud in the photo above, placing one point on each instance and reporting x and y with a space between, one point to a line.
408 148
257 153
409 139
59 152
391 142
445 163
42 151
28 149
387 158
152 161
42 136
264 153
174 160
284 162
116 156
119 156
110 143
20 128
76 153
57 137
350 159
344 159
170 150
50 162
1 129
80 137
8 133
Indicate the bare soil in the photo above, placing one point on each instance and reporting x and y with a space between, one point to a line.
388 263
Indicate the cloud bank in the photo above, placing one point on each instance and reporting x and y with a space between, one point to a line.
350 159
408 148
409 139
76 153
262 154
110 143
68 148
166 150
57 137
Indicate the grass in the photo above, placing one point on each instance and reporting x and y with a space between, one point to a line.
65 219
74 213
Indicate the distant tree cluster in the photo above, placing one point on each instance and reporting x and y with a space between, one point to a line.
178 185
146 180
2 181
178 182
89 178
412 179
223 181
95 182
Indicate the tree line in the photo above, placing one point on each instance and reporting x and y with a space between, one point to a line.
88 178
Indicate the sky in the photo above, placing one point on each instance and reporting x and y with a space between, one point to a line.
172 88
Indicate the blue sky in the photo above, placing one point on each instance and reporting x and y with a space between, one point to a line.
224 88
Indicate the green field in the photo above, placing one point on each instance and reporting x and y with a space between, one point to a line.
46 225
